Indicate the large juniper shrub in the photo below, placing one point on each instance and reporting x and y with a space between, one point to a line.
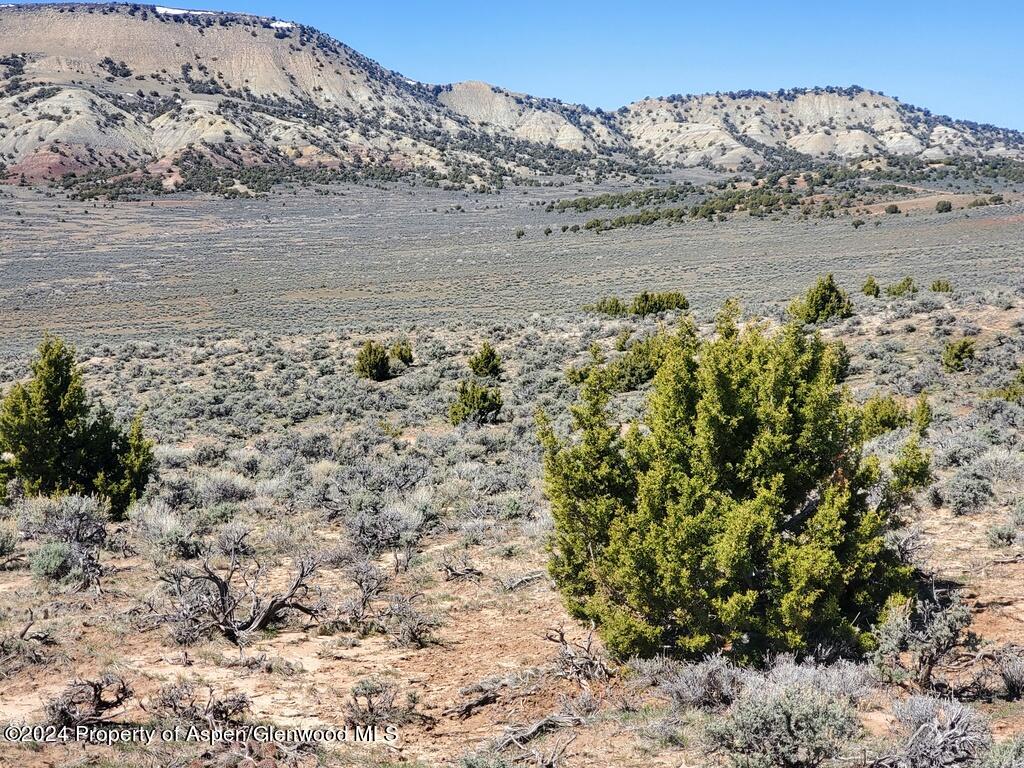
823 301
647 303
643 304
476 403
737 516
904 287
871 287
881 415
372 362
957 354
486 362
401 352
55 440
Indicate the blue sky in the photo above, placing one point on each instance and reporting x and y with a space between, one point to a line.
962 59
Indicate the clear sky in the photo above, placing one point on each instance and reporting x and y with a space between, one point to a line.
962 59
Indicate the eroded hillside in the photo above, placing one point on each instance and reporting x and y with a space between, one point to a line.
155 90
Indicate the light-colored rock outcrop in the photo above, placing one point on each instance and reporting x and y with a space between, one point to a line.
125 86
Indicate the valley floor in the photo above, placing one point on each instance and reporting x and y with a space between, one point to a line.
401 256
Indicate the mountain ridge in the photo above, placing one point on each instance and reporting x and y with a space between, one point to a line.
111 87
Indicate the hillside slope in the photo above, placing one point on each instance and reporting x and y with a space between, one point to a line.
844 123
94 87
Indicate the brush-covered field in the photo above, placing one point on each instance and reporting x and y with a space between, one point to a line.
320 548
345 255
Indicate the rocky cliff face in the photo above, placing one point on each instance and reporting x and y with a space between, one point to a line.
93 87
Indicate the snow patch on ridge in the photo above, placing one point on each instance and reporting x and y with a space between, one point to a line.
180 11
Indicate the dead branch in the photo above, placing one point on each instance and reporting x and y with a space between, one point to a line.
89 702
1018 558
518 736
462 569
466 709
231 600
180 701
550 759
579 662
511 585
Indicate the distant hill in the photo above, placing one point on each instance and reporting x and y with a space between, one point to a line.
87 88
